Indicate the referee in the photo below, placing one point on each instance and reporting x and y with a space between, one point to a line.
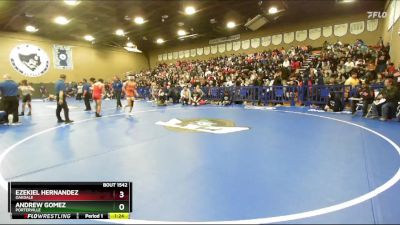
61 100
9 91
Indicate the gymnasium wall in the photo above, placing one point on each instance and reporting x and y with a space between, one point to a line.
391 33
269 30
87 60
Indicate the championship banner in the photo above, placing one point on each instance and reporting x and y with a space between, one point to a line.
372 25
207 50
170 56
301 35
314 33
187 53
175 55
192 52
265 41
277 39
340 29
288 37
229 46
214 49
221 48
357 27
236 45
327 31
181 54
63 57
245 44
255 42
200 51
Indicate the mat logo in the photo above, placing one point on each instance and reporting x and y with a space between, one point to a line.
29 60
215 126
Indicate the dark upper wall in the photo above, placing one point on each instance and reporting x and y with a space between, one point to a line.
392 35
369 37
87 60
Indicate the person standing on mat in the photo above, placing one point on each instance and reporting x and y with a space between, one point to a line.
26 91
130 91
86 94
98 92
117 87
61 100
9 91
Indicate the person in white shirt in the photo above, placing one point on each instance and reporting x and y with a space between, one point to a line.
286 63
26 91
349 65
185 96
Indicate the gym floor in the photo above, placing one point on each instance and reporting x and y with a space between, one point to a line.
291 165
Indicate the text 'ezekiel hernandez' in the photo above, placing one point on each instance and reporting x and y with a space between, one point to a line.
29 194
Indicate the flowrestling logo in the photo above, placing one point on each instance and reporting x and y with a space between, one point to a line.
215 126
376 15
29 60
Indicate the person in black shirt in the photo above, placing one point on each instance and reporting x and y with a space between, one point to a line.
367 94
334 104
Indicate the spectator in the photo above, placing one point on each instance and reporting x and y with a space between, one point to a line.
9 91
387 103
185 96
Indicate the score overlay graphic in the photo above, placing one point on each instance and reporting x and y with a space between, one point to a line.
70 200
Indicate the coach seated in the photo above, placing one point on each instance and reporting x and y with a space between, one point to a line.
162 96
185 96
226 99
386 102
197 96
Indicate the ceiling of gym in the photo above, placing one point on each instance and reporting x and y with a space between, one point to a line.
162 18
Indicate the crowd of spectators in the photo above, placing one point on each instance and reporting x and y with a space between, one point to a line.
352 64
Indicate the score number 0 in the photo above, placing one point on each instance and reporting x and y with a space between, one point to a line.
121 195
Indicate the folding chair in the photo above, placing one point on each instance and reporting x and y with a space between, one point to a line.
376 93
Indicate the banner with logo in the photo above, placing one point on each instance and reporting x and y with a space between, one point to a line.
229 46
175 55
357 27
276 39
236 45
214 49
170 56
199 51
207 50
221 48
301 35
372 25
266 41
314 33
245 44
288 37
29 60
340 29
192 52
255 42
187 53
62 57
160 57
181 54
327 31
